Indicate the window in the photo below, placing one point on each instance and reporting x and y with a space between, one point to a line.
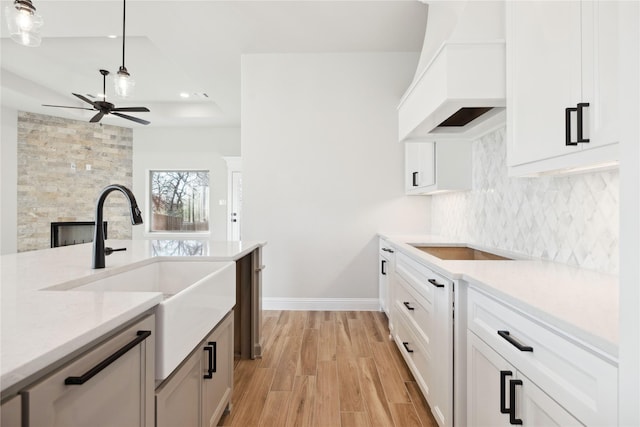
180 201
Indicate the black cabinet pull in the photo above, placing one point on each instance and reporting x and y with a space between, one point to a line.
581 106
435 283
406 304
406 347
414 177
567 125
512 396
213 359
503 392
388 250
383 270
141 336
507 336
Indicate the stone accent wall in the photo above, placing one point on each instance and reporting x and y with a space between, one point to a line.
50 189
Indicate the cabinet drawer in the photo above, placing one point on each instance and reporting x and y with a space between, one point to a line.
582 381
417 310
421 278
420 360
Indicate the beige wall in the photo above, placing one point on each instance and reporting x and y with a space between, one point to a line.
50 190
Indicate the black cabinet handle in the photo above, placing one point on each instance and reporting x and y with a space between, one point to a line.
567 125
388 250
581 106
141 336
406 347
213 359
414 177
406 304
435 283
383 270
503 392
507 336
512 396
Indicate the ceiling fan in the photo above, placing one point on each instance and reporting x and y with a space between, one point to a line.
103 107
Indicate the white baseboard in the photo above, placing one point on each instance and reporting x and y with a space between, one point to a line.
321 304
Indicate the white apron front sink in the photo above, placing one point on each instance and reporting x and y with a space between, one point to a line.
197 295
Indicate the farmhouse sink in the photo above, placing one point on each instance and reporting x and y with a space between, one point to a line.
196 296
462 253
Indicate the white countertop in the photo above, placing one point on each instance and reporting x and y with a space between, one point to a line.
38 327
580 302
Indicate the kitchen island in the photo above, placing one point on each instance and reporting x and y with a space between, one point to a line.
43 324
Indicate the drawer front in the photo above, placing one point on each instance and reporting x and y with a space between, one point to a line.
418 311
418 359
577 378
420 277
385 248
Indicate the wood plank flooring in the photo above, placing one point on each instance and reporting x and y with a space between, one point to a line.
326 369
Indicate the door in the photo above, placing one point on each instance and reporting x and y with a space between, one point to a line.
178 400
488 377
236 205
536 408
217 370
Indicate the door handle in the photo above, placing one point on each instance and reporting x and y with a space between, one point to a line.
507 336
435 283
383 270
141 336
581 106
512 396
406 347
211 349
567 126
406 304
503 392
414 178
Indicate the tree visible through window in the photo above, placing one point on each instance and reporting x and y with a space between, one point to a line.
180 201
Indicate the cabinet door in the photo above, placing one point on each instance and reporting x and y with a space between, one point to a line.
411 166
10 413
120 394
536 408
178 399
488 376
384 267
543 78
218 365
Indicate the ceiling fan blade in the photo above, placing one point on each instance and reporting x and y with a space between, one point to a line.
85 99
65 106
135 119
97 117
132 109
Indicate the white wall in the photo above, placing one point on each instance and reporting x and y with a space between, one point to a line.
8 181
184 148
323 168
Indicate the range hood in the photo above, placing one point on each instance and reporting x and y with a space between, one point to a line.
459 89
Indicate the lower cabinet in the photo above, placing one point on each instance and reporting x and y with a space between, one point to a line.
199 390
10 413
500 395
110 385
521 371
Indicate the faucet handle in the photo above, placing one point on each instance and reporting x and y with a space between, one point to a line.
109 251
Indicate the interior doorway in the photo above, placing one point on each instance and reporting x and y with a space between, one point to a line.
234 198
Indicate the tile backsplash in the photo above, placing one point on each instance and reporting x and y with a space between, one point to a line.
569 219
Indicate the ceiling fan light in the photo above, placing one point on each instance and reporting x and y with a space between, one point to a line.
24 23
124 83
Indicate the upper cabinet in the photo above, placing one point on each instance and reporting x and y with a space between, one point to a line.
432 167
562 93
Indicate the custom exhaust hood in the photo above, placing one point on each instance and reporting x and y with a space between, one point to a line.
459 89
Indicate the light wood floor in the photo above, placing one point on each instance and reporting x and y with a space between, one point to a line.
326 369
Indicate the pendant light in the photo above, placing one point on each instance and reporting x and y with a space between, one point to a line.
124 83
24 23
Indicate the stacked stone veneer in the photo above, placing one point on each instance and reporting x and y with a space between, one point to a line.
49 190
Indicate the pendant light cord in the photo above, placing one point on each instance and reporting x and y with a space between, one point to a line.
124 17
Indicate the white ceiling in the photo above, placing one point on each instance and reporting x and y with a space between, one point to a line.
187 46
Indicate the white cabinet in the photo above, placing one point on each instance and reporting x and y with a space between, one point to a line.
199 390
421 324
562 91
386 261
437 167
519 368
111 384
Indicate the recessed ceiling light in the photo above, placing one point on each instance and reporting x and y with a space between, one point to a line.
184 95
112 36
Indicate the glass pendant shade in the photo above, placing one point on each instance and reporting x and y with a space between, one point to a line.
24 23
124 83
